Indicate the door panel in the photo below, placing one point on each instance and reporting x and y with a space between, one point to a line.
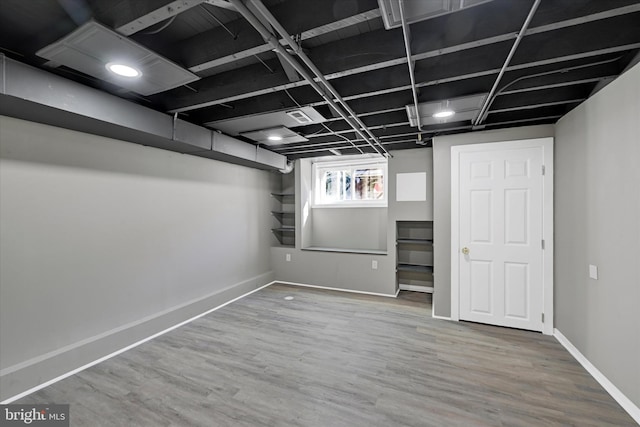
480 298
516 284
481 217
516 215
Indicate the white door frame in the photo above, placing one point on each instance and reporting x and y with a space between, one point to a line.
547 221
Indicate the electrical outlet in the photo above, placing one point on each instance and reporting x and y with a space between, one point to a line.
374 265
287 257
593 272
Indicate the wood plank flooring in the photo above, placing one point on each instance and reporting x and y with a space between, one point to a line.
335 359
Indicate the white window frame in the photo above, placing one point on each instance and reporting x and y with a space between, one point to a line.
318 168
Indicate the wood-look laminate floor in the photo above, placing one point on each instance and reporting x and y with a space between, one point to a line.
335 359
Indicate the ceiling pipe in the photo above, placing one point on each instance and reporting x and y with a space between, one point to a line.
410 63
261 8
277 47
546 73
487 101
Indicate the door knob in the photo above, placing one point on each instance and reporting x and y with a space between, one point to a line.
465 250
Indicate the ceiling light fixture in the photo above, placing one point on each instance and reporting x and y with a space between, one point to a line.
123 70
444 114
274 138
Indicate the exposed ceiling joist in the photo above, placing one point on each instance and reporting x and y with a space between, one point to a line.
220 3
489 98
156 16
489 41
291 73
305 35
188 106
570 50
544 104
520 67
558 84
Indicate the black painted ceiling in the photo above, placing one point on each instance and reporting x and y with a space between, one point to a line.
572 48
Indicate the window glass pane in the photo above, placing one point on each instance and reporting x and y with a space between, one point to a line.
348 184
336 186
369 184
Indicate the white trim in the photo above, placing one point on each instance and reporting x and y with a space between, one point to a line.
318 167
122 350
337 289
546 144
547 235
455 235
618 396
416 288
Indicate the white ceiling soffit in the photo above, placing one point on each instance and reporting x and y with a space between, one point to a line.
465 108
274 136
289 118
90 47
418 10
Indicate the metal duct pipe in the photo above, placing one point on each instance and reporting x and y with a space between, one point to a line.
261 8
410 63
32 94
521 34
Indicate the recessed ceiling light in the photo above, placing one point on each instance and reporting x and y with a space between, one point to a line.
274 138
123 70
444 114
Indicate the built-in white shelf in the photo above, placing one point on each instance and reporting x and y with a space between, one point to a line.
285 229
416 268
415 241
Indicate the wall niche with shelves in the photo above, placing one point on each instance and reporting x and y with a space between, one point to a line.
284 213
414 255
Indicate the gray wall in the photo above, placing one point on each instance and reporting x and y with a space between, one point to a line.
105 242
597 221
410 161
349 228
442 200
352 271
348 271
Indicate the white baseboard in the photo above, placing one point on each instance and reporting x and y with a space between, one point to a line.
122 350
439 317
336 289
617 395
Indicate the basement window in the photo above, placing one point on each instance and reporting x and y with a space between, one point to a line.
350 184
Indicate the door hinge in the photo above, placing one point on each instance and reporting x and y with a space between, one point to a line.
542 317
542 244
543 170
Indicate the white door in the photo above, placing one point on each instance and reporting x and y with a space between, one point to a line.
500 241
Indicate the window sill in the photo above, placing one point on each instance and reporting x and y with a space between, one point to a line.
350 206
346 251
